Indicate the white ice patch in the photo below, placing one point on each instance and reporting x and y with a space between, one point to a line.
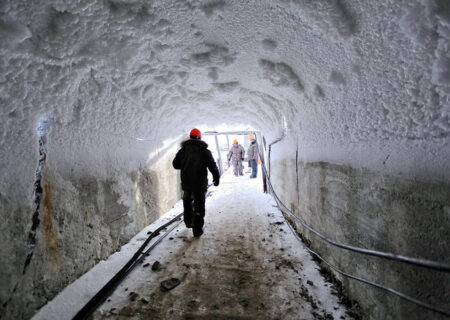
44 124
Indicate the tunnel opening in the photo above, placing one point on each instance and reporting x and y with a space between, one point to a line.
224 141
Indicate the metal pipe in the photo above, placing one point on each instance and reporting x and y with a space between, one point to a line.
218 153
241 132
374 284
387 255
263 173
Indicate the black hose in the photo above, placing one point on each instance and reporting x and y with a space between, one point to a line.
107 289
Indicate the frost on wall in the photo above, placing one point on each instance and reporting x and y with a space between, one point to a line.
344 74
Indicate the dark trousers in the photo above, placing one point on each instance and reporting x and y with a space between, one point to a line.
254 166
194 210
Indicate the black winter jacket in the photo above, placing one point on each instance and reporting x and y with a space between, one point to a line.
193 158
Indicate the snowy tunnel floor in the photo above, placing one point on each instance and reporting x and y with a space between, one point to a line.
247 265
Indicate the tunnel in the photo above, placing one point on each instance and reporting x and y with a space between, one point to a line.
350 101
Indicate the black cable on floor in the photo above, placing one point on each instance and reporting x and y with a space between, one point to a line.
109 287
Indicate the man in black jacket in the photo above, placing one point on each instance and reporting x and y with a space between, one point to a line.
193 159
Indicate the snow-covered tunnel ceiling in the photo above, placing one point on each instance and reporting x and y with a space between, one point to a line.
333 75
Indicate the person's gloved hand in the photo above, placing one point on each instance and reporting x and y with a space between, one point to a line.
216 182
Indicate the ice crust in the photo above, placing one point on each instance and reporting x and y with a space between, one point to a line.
347 82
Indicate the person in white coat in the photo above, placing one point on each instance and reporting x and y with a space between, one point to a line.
236 156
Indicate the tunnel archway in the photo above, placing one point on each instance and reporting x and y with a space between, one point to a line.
351 97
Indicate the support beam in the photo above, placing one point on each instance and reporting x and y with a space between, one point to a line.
218 154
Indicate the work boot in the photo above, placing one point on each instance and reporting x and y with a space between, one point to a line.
197 232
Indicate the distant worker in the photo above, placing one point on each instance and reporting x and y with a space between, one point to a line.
252 154
193 159
236 156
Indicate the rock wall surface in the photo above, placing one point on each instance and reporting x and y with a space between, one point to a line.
90 206
372 210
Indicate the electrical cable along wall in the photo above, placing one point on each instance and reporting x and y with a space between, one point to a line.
432 265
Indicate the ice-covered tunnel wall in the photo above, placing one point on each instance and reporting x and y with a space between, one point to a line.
96 95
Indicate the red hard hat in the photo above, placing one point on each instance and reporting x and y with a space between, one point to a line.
195 133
